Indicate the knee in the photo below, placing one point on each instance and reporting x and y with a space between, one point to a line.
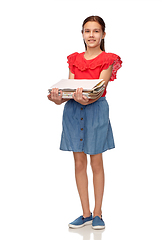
80 162
80 166
97 166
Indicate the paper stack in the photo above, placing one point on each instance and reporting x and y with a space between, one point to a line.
92 88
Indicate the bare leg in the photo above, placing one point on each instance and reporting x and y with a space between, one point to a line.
98 182
82 181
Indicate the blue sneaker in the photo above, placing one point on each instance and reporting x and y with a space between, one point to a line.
98 223
81 222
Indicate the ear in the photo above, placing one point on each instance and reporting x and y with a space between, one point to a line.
104 34
82 34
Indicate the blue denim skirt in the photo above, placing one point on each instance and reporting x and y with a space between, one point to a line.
86 128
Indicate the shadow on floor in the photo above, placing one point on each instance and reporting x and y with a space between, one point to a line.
87 231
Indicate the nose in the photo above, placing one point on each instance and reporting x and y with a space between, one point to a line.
91 33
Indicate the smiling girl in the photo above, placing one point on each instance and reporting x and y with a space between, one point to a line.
86 125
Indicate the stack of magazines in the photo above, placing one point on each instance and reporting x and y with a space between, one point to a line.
92 88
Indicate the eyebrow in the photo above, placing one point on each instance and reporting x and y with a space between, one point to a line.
92 29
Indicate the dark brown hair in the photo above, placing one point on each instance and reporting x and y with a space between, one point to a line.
101 22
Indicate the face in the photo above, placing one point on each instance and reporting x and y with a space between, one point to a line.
93 34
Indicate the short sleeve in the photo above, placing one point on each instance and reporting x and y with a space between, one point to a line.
114 59
71 60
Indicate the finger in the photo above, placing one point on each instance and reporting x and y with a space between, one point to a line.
49 97
57 91
85 98
54 89
74 95
54 93
77 91
80 90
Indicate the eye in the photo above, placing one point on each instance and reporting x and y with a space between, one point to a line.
86 31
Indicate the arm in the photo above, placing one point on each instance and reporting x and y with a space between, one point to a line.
106 75
79 97
54 95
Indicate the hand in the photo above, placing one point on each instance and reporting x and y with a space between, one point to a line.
79 97
54 96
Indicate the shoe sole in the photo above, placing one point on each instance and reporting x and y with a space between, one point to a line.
98 227
80 226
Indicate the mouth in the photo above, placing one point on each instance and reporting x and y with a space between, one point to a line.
91 40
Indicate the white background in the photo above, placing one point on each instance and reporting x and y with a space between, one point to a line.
37 185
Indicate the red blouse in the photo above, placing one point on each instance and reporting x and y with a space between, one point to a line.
91 69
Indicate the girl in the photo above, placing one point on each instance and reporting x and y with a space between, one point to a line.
86 124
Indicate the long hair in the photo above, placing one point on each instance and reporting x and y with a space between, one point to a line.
101 22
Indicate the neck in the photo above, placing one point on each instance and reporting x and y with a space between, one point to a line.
93 51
